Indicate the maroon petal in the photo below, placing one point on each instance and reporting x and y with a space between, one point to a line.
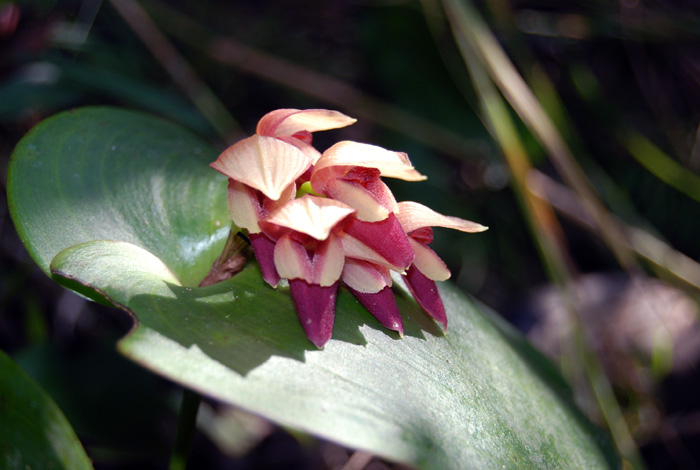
315 308
264 250
426 294
383 306
386 237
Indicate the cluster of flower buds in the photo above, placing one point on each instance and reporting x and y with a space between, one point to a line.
319 219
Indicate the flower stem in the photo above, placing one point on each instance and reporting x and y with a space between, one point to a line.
185 429
230 261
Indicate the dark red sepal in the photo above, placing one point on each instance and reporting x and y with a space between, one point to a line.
264 250
382 305
385 237
315 308
426 294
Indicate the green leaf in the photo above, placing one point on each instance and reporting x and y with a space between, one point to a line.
101 173
34 433
478 397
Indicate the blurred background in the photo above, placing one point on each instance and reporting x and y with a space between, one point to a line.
568 127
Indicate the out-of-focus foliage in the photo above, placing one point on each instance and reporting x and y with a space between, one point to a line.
35 434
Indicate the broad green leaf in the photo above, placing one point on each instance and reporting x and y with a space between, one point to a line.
34 433
478 397
101 173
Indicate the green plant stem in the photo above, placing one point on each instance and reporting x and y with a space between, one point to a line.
185 429
231 260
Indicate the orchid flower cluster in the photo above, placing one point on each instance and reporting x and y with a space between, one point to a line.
319 219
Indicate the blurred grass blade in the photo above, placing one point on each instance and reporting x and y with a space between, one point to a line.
670 261
178 68
538 212
661 165
323 87
468 25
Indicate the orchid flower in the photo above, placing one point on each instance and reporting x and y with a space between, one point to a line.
417 220
346 227
262 170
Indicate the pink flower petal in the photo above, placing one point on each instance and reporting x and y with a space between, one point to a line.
271 205
315 307
428 262
382 242
304 146
354 195
365 277
382 305
287 122
423 235
264 248
354 248
244 206
414 216
329 259
247 205
346 153
264 163
323 267
292 260
312 215
426 294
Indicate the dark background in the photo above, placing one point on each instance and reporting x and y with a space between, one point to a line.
610 73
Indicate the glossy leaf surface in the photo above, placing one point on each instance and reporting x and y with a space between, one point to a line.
478 397
100 173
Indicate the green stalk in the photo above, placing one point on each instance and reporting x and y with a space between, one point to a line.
185 429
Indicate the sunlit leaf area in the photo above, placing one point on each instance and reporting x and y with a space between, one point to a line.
140 328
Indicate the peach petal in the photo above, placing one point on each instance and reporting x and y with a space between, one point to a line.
324 268
413 215
354 195
354 248
244 206
287 122
305 147
271 205
291 259
264 163
312 215
428 262
390 164
364 277
328 261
